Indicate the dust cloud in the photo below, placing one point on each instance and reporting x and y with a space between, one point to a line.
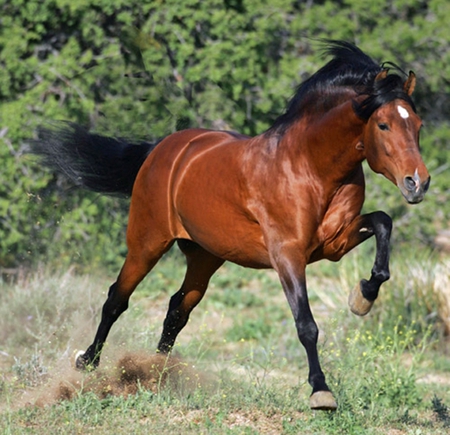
132 372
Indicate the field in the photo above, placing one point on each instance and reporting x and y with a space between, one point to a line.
238 367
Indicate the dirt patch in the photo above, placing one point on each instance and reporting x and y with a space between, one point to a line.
129 374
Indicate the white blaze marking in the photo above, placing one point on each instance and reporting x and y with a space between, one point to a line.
417 179
403 112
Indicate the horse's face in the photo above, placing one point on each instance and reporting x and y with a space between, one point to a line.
391 142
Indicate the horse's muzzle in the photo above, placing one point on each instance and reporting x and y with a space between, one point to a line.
414 189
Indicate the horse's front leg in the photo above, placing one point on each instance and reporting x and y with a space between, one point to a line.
378 224
291 270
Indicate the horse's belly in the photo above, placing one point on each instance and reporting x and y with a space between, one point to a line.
227 236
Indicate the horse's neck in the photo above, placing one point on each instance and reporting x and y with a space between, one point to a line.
330 142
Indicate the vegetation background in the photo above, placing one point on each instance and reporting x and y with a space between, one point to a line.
143 70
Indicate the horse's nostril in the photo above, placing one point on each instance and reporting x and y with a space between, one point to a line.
410 184
426 185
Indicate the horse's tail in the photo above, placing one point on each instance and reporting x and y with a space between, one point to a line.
102 164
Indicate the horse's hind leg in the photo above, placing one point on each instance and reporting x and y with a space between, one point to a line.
201 265
137 264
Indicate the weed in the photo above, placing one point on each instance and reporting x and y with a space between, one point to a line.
441 411
30 373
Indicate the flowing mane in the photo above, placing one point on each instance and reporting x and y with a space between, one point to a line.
350 72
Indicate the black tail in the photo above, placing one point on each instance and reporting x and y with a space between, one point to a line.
96 162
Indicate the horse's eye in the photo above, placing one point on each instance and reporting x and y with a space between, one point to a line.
383 126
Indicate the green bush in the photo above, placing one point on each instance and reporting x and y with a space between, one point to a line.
146 69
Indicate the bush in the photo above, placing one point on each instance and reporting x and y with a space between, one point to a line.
146 69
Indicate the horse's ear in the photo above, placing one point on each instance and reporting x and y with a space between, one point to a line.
410 83
382 74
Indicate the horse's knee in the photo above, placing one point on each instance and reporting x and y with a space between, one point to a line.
382 223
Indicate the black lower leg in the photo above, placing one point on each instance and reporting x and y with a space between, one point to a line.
382 227
173 323
112 309
308 334
201 265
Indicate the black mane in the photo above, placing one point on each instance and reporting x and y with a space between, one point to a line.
350 69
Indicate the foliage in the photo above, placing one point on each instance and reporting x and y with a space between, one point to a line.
379 352
144 69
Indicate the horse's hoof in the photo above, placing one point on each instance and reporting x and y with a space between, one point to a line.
77 354
82 363
79 362
323 401
358 304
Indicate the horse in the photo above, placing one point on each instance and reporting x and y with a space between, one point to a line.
281 200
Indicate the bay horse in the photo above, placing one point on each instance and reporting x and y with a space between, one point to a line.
283 199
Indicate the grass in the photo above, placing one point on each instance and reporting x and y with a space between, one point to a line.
241 369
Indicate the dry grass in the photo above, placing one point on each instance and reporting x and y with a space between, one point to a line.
441 286
215 383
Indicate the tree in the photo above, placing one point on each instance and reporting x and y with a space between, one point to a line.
145 69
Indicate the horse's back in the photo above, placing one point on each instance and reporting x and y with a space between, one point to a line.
192 187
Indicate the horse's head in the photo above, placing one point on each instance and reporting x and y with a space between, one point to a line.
391 144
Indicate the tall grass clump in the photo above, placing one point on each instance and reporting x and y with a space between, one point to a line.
40 311
373 368
373 374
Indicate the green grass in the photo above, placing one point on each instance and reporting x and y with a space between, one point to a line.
246 371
